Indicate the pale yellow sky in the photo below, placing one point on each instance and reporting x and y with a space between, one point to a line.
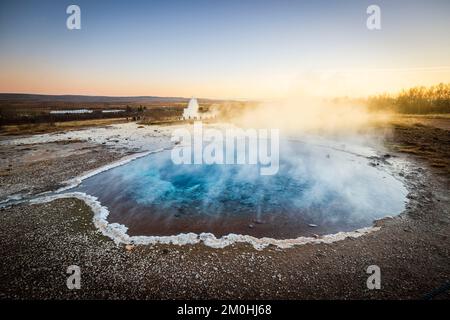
270 85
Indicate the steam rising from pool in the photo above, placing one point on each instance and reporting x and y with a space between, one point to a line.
322 187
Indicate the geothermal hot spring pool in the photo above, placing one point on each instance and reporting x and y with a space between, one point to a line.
318 190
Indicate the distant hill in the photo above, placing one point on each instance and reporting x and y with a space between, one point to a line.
21 97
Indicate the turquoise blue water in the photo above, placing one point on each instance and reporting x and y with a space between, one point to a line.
333 190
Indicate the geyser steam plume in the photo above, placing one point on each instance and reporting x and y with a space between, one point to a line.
191 112
309 115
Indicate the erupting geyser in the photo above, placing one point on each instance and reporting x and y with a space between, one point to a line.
191 111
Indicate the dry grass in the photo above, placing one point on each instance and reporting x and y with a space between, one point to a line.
25 129
424 137
441 121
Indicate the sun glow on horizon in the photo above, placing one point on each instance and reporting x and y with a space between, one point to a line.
328 83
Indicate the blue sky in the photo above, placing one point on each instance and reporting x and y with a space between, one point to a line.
229 49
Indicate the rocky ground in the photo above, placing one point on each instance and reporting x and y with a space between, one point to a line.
38 242
24 169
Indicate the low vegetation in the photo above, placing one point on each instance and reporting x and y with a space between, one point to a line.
417 100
